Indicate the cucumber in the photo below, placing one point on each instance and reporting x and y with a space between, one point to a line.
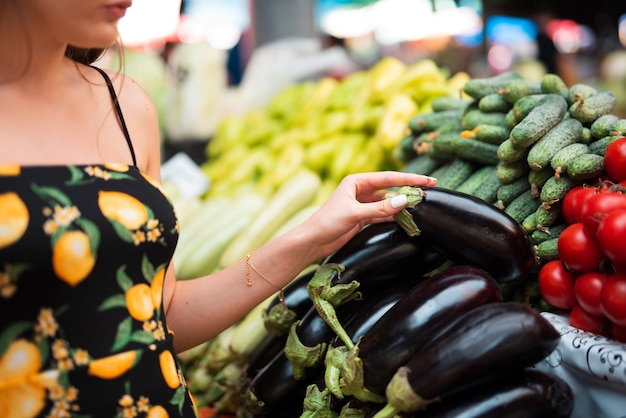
493 102
422 164
405 150
441 103
589 109
476 180
480 87
585 167
440 155
509 172
548 112
509 192
553 83
547 215
548 250
562 157
522 206
475 151
543 234
619 127
510 119
440 171
492 134
537 178
586 137
580 91
516 89
523 106
427 122
566 132
555 189
603 126
507 153
599 146
529 224
457 172
443 142
454 125
489 188
475 117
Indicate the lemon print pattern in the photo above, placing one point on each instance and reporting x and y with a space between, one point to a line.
95 241
14 218
123 208
72 259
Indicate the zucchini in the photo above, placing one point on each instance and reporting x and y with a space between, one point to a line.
562 157
475 151
586 166
294 194
566 132
548 112
522 206
555 188
553 84
458 358
480 87
588 109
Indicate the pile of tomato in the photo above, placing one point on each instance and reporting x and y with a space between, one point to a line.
589 278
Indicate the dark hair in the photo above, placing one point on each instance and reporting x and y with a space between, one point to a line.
84 55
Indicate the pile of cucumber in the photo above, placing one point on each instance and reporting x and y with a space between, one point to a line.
518 144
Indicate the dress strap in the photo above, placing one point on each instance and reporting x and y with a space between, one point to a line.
118 110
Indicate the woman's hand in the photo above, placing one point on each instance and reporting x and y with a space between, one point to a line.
357 201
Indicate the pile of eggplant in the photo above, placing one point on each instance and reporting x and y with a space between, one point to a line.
395 325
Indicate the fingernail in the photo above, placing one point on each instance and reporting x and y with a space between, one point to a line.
398 201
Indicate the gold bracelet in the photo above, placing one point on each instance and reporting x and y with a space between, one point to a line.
249 265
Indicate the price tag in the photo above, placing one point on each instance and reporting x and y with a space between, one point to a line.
185 174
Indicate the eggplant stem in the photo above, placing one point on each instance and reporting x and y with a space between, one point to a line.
353 380
317 403
335 356
326 297
348 411
278 319
404 218
401 397
301 356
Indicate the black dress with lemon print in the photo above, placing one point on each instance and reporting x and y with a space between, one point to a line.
83 250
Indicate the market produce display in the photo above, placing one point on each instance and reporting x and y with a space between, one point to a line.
530 203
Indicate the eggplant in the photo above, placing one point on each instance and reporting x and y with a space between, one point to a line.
527 393
468 230
410 324
484 344
274 392
382 252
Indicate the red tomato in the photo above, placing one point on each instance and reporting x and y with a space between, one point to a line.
613 298
598 205
617 332
556 285
615 159
611 236
581 319
573 201
579 249
587 289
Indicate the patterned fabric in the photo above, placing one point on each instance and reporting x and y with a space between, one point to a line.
83 250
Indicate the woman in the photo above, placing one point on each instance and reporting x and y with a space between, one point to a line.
86 235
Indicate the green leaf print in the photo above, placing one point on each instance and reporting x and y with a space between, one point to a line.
123 279
122 338
179 398
92 231
12 332
147 269
52 195
145 337
115 301
124 233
